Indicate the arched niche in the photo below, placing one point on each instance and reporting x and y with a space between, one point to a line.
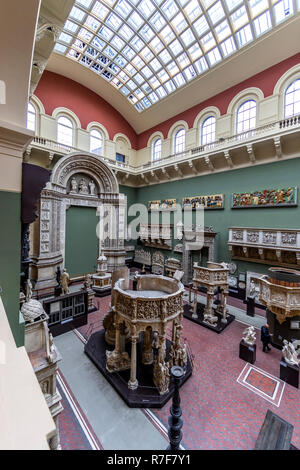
97 187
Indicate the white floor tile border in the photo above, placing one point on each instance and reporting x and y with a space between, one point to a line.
81 420
279 383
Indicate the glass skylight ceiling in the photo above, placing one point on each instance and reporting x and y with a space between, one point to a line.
149 48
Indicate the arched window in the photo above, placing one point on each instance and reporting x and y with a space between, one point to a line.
31 117
156 150
246 116
292 99
96 142
208 130
65 131
179 141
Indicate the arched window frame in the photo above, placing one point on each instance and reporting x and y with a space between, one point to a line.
246 128
292 107
100 139
179 145
69 143
156 152
31 123
209 137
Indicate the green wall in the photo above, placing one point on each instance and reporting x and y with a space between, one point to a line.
280 174
81 240
10 255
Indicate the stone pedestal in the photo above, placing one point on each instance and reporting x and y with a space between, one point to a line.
247 352
250 307
102 284
91 296
289 373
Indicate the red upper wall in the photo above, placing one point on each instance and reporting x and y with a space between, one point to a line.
56 91
265 80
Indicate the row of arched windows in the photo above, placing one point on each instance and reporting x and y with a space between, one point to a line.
65 131
245 120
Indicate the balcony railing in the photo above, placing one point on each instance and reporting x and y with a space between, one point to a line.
269 130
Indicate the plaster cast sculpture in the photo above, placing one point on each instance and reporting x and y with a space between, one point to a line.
250 335
101 280
289 353
31 309
74 185
88 282
92 187
83 188
151 309
64 279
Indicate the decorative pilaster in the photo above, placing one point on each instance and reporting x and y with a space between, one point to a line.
133 383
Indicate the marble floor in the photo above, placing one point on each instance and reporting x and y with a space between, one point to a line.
224 402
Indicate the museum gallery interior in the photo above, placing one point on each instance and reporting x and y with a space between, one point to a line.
150 236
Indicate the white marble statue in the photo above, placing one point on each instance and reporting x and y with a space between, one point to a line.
250 335
64 279
289 353
92 188
74 185
28 290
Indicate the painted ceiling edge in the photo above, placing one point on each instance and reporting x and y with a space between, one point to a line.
89 106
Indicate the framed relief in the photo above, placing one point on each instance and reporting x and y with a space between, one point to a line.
212 201
162 205
281 197
252 286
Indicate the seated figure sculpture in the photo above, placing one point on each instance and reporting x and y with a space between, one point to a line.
250 336
289 353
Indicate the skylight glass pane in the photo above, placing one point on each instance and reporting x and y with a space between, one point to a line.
135 20
262 23
117 42
137 43
92 23
223 30
70 26
208 41
85 34
179 23
146 7
77 14
124 90
176 47
130 69
169 8
113 21
239 18
146 54
228 46
190 73
156 44
132 85
138 62
167 34
105 33
100 10
163 76
244 35
98 43
257 6
147 88
170 87
153 97
123 8
201 26
193 10
139 79
146 72
214 56
207 3
126 32
60 48
231 4
65 38
110 52
147 33
216 12
165 56
157 21
187 37
179 80
195 51
183 60
283 10
120 61
155 64
161 92
146 102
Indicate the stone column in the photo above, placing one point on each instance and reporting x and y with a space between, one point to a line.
224 306
209 302
117 343
147 356
133 383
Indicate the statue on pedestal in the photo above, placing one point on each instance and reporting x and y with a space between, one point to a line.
88 281
250 335
64 279
289 353
92 187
